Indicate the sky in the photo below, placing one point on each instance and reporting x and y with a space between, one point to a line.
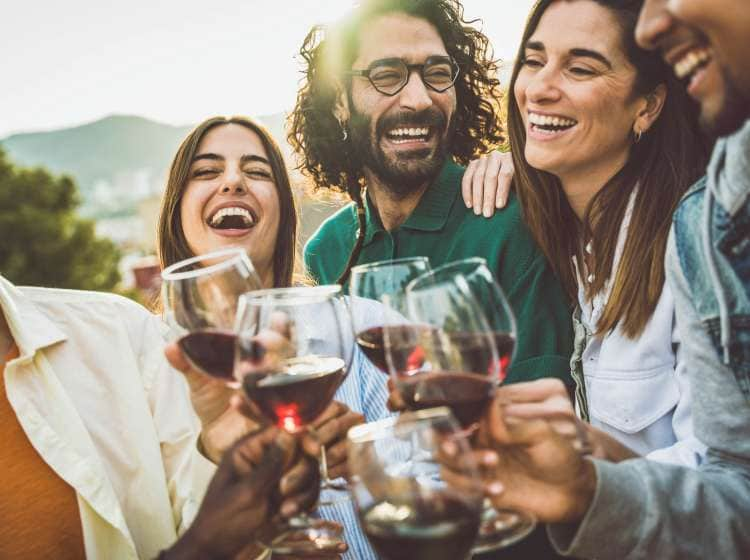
64 63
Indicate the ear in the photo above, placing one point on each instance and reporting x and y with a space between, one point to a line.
650 109
341 105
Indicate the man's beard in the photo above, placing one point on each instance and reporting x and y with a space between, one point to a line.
401 174
735 109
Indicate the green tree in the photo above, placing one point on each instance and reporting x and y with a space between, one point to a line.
43 241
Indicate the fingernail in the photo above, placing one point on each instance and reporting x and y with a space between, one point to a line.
468 204
477 211
495 488
487 213
489 459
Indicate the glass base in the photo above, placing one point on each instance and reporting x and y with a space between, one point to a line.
501 528
307 536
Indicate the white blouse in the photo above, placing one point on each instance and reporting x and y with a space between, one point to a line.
637 390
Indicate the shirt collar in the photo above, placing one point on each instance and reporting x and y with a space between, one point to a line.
433 208
31 329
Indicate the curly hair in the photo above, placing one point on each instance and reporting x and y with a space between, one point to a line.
327 156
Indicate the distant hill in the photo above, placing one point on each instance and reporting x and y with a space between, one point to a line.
116 161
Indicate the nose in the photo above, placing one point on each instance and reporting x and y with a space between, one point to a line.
653 22
233 184
542 87
414 96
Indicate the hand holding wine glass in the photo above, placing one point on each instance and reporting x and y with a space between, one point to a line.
462 359
241 499
293 351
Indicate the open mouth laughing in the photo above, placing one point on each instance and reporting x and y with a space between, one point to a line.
407 135
549 125
690 65
233 217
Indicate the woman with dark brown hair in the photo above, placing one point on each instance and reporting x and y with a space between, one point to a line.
605 142
228 186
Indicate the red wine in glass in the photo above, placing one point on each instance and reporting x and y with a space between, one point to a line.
298 393
466 394
211 351
406 339
477 356
443 528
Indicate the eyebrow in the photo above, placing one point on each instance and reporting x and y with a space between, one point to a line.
244 159
579 52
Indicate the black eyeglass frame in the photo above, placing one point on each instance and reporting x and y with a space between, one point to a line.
409 69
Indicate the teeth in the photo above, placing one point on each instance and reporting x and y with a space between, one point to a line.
548 120
231 211
688 63
409 131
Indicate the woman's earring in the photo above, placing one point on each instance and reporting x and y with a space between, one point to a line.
638 134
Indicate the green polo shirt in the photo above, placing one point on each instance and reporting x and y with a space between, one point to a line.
443 229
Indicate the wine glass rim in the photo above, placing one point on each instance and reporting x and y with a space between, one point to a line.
463 267
304 293
388 262
172 272
372 431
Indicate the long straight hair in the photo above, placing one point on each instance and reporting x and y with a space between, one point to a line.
668 159
173 246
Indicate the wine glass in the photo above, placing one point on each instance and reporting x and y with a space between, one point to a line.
406 507
446 355
294 349
369 285
425 296
490 297
200 296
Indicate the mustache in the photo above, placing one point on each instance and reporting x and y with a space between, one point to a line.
427 118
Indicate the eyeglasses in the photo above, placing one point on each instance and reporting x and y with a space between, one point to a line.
390 75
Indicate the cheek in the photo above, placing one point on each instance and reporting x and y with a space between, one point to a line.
269 200
191 214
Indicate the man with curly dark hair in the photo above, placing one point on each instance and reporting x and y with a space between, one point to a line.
395 98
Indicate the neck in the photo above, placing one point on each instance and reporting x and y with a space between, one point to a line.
393 210
581 185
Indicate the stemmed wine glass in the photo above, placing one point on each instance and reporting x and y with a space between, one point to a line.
369 285
486 292
445 355
294 349
406 507
200 296
430 299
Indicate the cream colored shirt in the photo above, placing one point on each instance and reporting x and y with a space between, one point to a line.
98 401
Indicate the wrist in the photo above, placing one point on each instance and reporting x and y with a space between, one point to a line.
582 492
186 548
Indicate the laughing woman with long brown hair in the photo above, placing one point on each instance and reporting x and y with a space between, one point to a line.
605 142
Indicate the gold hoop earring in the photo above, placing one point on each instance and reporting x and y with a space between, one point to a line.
638 135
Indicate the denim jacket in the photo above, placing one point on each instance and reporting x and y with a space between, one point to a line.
717 263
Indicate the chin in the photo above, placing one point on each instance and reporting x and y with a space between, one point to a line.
542 162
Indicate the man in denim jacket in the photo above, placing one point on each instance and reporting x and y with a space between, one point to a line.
640 508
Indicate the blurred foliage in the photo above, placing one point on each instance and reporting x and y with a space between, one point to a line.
43 241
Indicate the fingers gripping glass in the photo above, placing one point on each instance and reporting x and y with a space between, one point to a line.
390 75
